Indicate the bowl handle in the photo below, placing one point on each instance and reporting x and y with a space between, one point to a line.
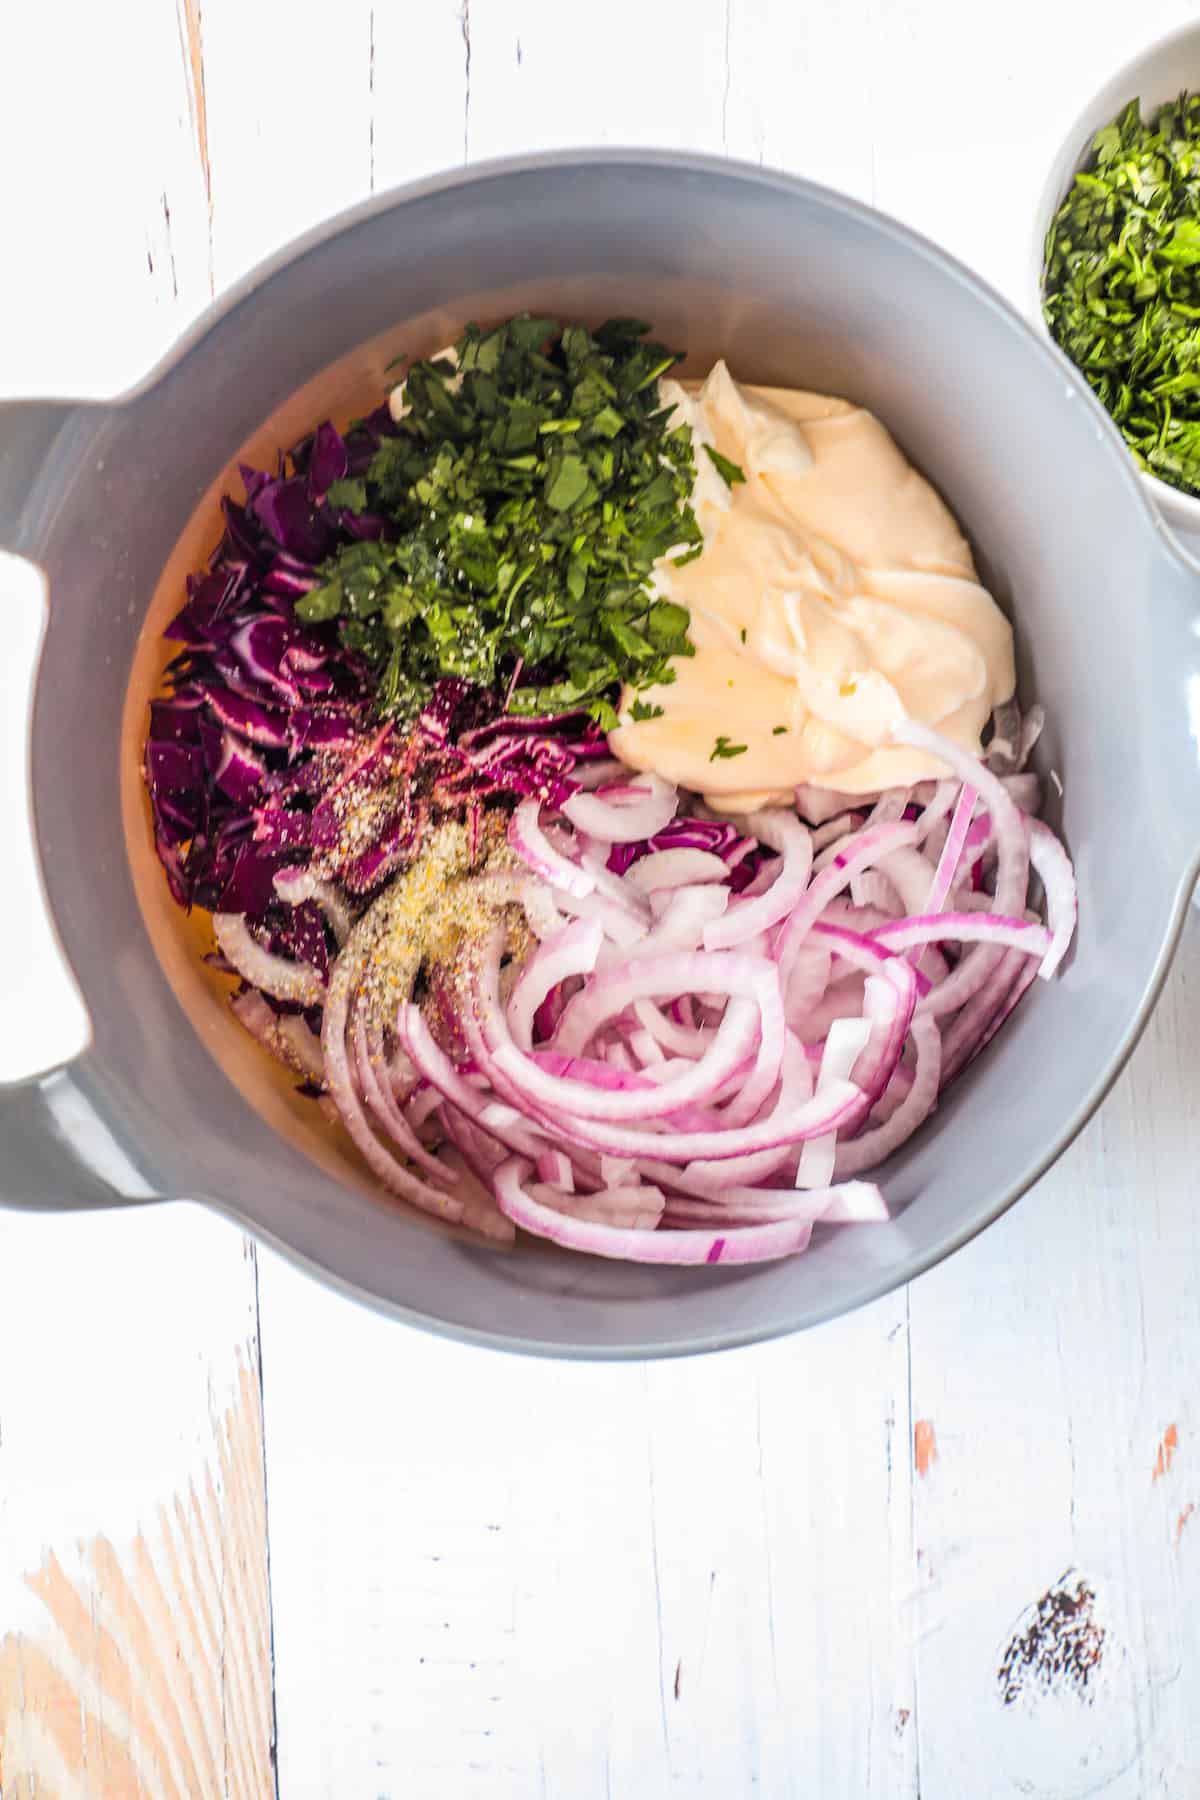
58 1149
29 430
57 1146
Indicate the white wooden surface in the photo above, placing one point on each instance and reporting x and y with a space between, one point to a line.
791 1571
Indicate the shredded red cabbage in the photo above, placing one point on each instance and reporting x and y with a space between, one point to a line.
267 722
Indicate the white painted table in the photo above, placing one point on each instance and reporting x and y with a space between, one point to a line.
813 1569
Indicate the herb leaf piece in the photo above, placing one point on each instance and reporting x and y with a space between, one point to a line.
728 471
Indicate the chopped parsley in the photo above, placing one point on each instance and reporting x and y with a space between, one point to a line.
723 747
743 634
777 730
528 491
641 710
352 494
1121 282
728 471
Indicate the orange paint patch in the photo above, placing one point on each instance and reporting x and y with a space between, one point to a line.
1182 1520
1166 1453
925 1450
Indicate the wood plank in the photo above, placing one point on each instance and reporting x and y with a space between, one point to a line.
135 1653
503 1577
105 210
745 78
135 1633
288 112
1054 1360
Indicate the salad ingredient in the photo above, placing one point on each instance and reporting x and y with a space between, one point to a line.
532 481
1121 282
835 596
665 1102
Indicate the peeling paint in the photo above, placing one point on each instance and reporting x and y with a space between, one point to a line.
925 1449
1183 1518
1166 1453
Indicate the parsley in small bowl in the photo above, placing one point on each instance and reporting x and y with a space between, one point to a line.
1118 263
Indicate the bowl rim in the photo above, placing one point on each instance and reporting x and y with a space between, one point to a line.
1177 506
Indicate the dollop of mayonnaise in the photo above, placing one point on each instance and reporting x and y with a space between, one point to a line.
835 595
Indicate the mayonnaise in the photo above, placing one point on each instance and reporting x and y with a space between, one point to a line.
835 595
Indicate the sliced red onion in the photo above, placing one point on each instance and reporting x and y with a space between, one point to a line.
827 1112
951 855
1013 865
852 854
785 834
841 1000
673 1085
956 1057
833 830
810 977
684 1040
937 809
683 920
537 853
474 1187
870 1148
422 1105
298 983
888 807
629 815
1053 868
571 951
816 805
680 972
303 1046
340 1082
593 775
755 1243
287 1038
377 1092
966 928
675 869
712 1179
645 1048
911 877
614 1173
555 1169
630 1208
503 1123
295 886
844 1045
849 1203
871 887
730 1050
619 925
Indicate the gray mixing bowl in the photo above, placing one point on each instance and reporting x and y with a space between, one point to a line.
793 285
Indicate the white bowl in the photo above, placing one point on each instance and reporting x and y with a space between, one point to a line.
1158 74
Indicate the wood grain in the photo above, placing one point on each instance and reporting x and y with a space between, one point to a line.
135 1629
